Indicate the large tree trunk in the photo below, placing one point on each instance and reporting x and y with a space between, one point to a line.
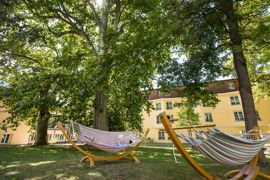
100 119
241 70
101 99
44 116
100 116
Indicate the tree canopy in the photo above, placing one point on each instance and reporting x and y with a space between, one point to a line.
75 60
208 31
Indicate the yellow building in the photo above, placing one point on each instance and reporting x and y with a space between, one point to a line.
227 115
23 136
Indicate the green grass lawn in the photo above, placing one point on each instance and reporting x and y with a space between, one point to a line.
62 162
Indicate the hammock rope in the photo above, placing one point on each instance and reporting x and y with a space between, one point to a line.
224 148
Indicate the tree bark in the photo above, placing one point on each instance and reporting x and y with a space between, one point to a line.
240 65
101 99
44 116
100 119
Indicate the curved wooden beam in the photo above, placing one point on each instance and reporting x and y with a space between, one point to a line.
248 172
165 121
91 156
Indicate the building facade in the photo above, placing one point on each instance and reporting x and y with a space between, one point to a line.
228 114
23 135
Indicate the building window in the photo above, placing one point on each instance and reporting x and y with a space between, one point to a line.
32 137
198 134
243 133
158 106
169 116
49 137
206 105
258 116
5 138
161 135
70 136
59 136
168 105
238 116
167 94
234 100
159 93
231 85
208 117
158 120
261 134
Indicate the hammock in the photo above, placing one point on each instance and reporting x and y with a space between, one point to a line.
106 140
219 147
224 148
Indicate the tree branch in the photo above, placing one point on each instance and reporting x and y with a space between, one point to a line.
88 41
63 33
32 2
117 15
26 57
95 15
80 33
57 17
105 16
121 31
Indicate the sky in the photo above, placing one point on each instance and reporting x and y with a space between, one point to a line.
99 2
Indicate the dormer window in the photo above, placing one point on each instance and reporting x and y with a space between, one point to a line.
231 85
159 93
167 94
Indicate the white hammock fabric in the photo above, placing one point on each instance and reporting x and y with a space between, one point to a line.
226 149
106 140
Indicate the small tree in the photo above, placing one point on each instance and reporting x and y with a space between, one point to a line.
187 116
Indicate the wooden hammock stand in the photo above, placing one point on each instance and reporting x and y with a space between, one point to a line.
91 156
248 172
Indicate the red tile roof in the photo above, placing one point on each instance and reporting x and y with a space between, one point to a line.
218 87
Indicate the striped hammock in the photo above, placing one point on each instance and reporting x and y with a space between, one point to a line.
224 148
106 140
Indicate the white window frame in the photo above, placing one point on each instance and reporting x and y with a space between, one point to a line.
237 115
161 135
198 134
261 134
158 106
32 137
5 138
169 105
70 136
167 94
49 137
208 117
258 116
170 116
158 120
59 136
231 85
234 100
159 94
243 133
206 105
